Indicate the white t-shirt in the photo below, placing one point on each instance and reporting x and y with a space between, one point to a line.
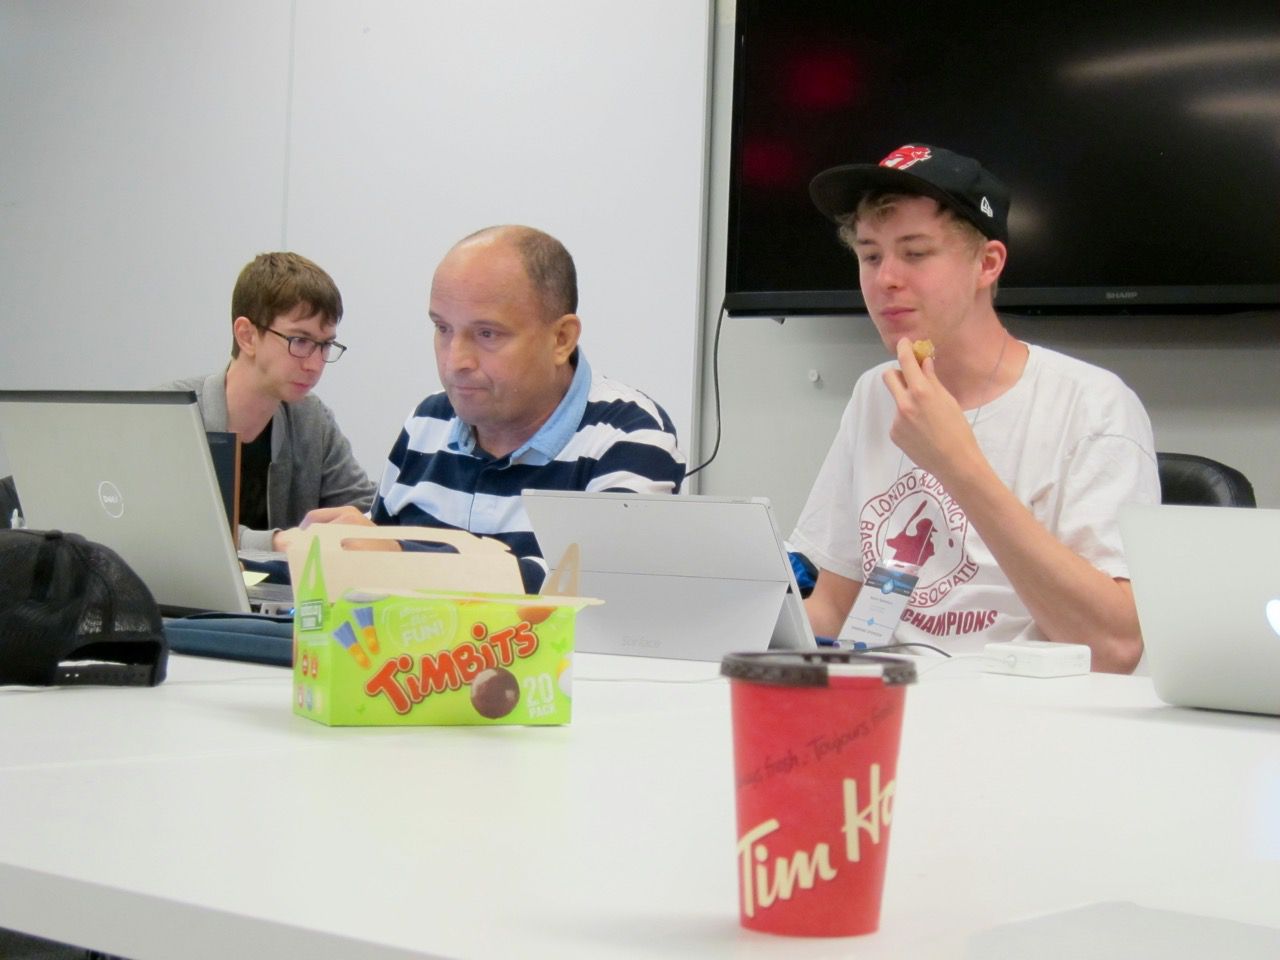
1069 439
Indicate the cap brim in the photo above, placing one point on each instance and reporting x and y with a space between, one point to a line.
837 191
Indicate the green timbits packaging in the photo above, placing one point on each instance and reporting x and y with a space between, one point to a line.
414 637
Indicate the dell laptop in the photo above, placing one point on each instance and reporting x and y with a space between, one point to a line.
130 470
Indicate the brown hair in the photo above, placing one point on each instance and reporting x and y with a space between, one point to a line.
272 284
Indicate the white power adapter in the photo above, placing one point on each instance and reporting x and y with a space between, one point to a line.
1038 658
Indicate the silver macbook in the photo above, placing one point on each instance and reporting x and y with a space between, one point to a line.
1207 584
130 470
686 577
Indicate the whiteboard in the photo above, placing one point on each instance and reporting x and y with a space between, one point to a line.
152 149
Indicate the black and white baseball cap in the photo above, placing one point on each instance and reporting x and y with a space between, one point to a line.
73 612
961 183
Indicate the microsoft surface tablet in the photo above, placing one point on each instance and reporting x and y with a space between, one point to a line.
687 577
1207 584
130 470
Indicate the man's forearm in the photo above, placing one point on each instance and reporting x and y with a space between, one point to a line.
828 606
1071 600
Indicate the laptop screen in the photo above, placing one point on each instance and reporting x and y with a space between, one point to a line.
130 470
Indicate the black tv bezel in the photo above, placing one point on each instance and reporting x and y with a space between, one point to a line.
1028 301
1142 300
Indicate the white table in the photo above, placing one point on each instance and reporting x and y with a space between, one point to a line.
202 819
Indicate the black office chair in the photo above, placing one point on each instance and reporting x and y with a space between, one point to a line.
1188 479
8 501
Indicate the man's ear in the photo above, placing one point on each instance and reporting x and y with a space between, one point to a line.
994 254
567 330
246 334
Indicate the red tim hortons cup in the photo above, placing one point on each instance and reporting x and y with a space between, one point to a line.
815 750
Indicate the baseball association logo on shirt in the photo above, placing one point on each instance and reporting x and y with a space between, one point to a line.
916 521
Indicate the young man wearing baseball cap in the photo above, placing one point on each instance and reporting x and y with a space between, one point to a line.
994 467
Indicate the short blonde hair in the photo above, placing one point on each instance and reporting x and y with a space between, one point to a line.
878 207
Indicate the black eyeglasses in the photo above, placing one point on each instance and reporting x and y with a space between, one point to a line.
304 347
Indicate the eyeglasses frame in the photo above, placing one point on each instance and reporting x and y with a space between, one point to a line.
309 345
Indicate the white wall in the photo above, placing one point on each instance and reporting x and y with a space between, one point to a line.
142 159
1210 384
150 149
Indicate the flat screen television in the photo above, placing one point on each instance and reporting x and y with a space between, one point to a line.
1141 143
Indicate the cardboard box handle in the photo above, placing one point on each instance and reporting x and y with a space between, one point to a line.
569 567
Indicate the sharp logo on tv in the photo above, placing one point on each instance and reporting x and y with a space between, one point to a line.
111 498
1122 294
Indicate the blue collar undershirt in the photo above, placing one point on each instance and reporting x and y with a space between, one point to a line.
552 436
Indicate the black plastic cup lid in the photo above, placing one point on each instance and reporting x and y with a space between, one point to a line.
812 668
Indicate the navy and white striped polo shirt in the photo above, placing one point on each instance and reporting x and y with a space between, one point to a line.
604 435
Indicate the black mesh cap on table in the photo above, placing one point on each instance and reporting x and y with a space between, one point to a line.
73 612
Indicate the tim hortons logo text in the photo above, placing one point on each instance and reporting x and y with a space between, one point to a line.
450 669
764 883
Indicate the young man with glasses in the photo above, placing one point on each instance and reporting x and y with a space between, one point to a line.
293 458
